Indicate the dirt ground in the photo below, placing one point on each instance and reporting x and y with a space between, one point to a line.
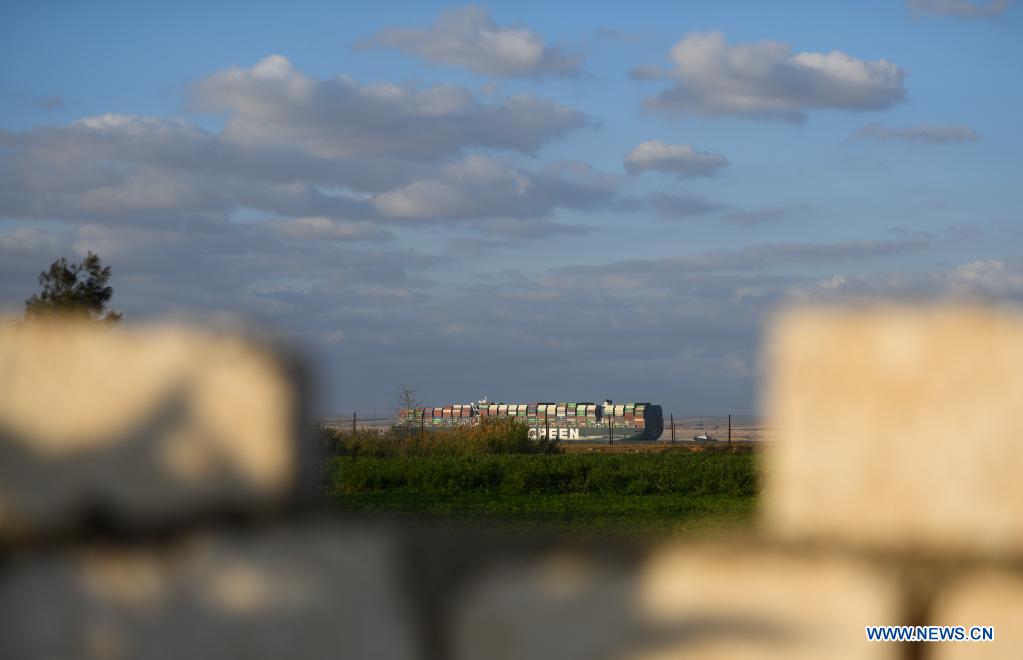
657 447
745 428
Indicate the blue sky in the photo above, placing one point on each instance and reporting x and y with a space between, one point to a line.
519 199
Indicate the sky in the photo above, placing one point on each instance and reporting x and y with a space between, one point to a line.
528 201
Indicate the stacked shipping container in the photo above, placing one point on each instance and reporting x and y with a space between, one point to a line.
591 420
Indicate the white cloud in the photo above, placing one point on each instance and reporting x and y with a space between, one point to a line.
920 133
237 269
461 191
272 103
960 8
127 170
98 150
326 229
114 242
528 228
679 159
323 158
766 80
481 187
29 239
989 278
469 38
760 271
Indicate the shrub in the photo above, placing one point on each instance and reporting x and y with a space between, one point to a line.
702 473
490 436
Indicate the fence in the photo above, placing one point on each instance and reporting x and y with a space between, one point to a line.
678 428
362 421
719 428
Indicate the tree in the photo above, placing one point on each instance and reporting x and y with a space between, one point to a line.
77 289
406 397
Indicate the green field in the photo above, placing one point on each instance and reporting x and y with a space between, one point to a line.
581 494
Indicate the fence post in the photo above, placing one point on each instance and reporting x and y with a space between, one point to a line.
672 428
353 423
729 429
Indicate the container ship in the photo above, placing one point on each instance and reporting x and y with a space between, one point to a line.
563 421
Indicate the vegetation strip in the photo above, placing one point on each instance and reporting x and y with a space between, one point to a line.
733 475
495 475
626 516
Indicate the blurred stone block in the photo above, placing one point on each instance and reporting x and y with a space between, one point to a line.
140 426
898 428
981 598
300 591
700 602
563 607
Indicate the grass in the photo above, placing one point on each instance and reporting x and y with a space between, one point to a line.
732 475
580 494
576 514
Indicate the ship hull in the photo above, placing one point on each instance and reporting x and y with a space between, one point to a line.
595 433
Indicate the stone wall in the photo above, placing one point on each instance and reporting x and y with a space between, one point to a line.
157 500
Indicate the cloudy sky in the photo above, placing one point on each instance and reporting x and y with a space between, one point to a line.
530 200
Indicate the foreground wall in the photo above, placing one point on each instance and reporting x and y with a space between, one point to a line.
158 500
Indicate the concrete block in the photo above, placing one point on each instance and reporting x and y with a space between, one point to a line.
140 425
898 428
566 607
981 598
700 602
301 591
